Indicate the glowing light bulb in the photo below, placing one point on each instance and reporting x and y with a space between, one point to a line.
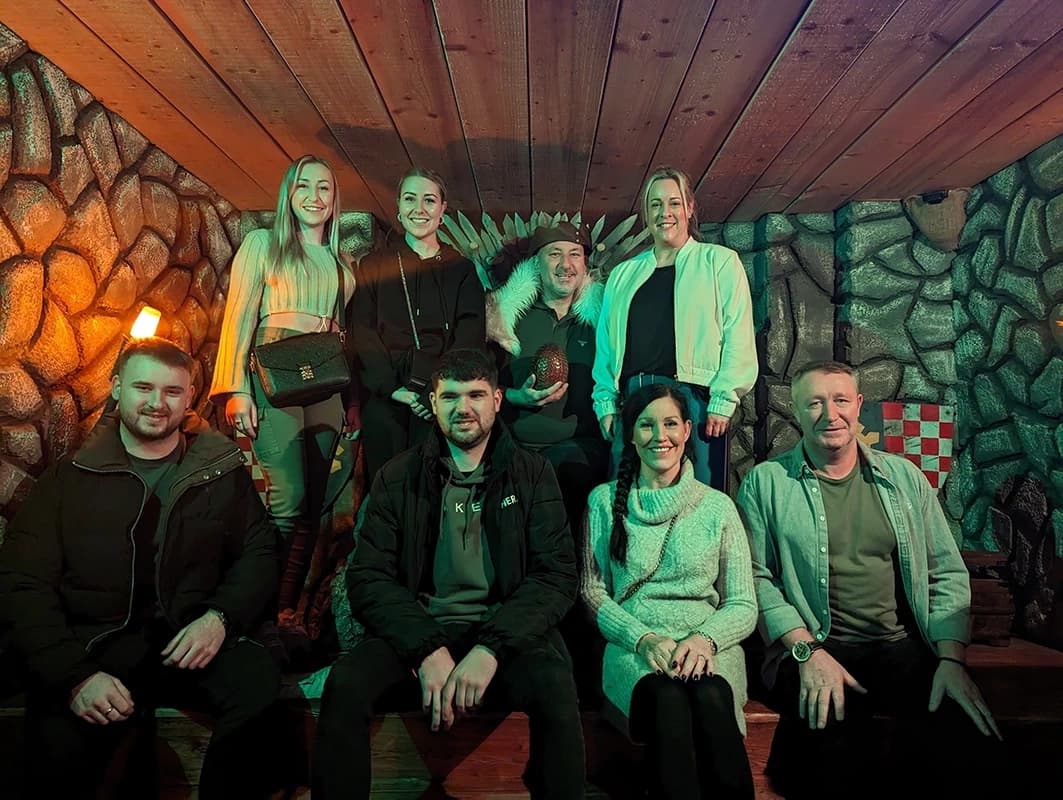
146 323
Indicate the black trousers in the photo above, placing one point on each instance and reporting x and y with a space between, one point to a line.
388 428
694 748
68 757
537 681
852 758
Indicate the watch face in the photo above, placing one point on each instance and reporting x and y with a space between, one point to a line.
801 652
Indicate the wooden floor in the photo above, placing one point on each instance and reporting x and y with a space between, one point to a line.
484 758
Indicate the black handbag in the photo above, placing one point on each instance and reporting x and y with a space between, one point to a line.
306 368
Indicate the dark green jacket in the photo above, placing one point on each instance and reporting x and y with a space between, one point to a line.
527 534
66 566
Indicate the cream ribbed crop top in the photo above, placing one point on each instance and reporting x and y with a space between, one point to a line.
254 296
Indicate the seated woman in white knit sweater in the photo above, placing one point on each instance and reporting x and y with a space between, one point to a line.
667 575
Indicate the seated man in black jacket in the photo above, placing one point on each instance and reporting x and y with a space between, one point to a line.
129 575
464 567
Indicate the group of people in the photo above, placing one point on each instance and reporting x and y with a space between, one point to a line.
490 514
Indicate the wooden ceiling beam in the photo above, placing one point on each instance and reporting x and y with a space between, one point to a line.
401 44
653 47
315 40
828 39
1034 128
486 49
151 45
741 41
568 56
1032 81
228 35
908 45
1010 32
52 30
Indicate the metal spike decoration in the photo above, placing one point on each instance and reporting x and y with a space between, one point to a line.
484 246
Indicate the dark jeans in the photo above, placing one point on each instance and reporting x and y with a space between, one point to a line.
67 757
693 744
538 681
388 428
580 464
852 759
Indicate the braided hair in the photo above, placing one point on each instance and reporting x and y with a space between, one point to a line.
628 470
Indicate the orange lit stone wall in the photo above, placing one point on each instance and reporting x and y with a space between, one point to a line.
95 222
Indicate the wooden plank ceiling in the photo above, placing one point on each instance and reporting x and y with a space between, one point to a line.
770 105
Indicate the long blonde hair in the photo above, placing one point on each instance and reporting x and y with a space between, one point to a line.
286 249
683 180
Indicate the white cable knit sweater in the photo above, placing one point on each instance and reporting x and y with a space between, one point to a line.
704 582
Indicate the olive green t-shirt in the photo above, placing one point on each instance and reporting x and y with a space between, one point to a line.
864 591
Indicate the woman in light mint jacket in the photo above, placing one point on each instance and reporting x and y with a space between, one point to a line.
679 313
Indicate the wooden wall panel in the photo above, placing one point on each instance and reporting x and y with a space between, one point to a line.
486 48
315 40
740 42
1034 128
1032 81
157 51
226 33
401 44
1010 32
568 54
828 39
54 31
652 50
907 46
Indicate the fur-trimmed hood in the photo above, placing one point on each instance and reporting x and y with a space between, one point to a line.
507 304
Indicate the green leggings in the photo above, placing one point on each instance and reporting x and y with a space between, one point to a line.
295 447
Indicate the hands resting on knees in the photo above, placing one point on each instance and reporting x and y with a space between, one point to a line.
448 689
824 682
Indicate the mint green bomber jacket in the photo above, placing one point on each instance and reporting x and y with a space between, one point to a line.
787 527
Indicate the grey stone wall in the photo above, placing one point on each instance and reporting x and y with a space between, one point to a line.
978 327
1008 287
790 265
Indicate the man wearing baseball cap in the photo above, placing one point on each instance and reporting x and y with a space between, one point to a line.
551 300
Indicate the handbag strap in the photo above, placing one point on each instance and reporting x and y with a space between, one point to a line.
660 558
409 305
339 294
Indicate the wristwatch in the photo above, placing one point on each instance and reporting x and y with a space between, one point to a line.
221 617
802 651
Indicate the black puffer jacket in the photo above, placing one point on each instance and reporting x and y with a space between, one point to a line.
527 534
66 566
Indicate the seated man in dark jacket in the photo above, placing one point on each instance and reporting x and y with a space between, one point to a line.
129 575
464 567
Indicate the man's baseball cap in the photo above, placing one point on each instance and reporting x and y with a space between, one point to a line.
561 232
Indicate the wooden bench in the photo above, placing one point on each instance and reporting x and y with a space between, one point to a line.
484 757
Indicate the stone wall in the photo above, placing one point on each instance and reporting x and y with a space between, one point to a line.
977 326
95 222
1008 285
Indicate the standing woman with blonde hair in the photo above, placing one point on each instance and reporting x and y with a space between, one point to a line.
679 313
285 281
417 298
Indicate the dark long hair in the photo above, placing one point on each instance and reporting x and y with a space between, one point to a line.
634 405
